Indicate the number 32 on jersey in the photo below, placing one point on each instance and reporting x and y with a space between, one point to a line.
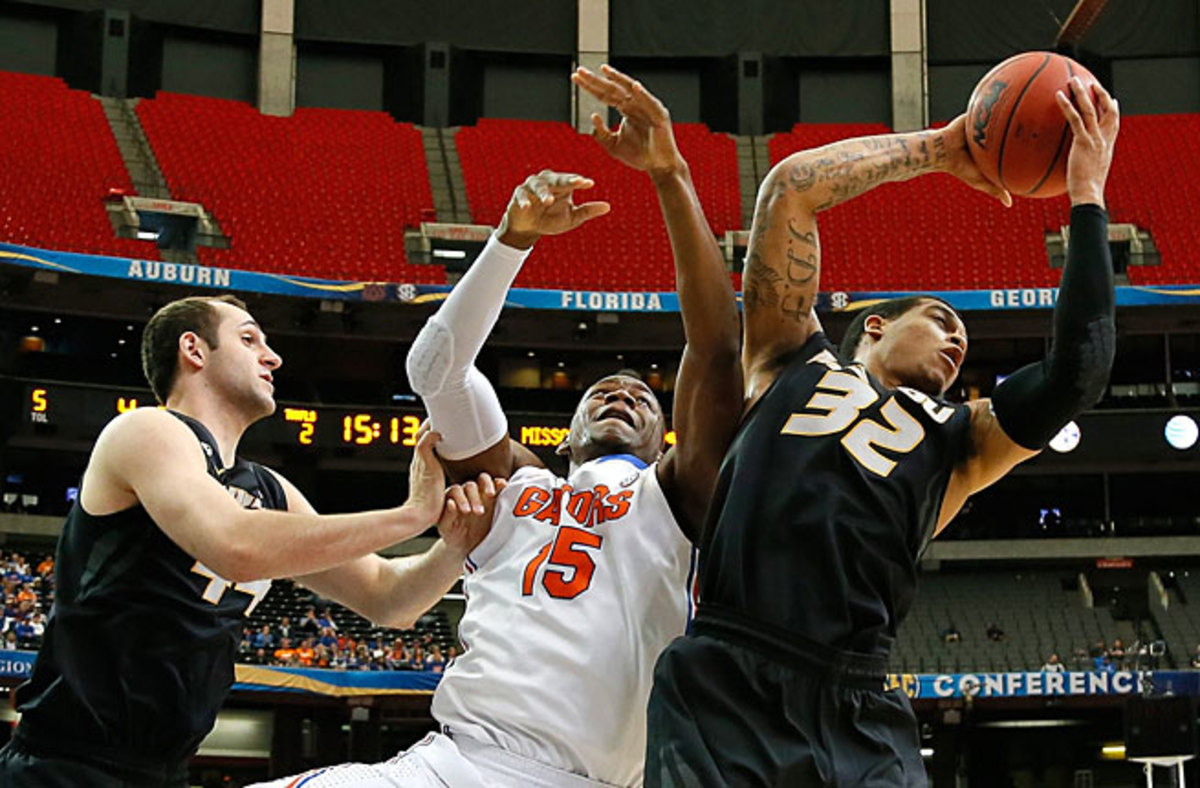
842 394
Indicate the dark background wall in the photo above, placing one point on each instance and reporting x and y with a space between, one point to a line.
814 61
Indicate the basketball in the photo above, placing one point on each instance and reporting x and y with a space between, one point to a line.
1016 132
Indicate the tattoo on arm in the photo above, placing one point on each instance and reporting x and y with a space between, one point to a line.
847 169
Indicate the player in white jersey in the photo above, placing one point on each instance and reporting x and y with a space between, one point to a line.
582 581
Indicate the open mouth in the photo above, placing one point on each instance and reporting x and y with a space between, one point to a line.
953 355
620 414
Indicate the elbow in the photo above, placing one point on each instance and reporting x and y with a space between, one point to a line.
429 358
394 619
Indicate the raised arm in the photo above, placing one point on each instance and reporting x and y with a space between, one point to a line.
708 388
783 261
1030 406
148 456
461 402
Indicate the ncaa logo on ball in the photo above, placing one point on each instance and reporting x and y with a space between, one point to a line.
983 114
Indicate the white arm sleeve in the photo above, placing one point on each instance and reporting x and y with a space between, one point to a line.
462 404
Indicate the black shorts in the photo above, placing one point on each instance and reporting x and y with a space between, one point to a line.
21 768
722 714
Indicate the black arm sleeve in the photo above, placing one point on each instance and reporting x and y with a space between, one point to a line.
1035 402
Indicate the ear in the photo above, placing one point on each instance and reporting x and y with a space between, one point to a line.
192 349
873 327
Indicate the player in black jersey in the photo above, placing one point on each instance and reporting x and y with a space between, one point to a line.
847 462
171 544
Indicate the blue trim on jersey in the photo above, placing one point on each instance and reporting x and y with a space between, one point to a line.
310 776
629 458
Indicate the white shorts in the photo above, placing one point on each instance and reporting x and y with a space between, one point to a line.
437 761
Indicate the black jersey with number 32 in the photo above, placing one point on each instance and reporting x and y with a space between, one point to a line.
825 500
138 652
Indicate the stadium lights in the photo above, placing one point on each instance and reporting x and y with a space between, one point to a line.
1181 432
450 254
1059 723
147 235
926 752
1113 752
1067 438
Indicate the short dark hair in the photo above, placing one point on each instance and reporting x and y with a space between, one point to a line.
888 310
160 339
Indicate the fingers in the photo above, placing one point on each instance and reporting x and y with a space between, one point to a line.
1083 100
474 500
546 187
426 443
487 487
456 496
1070 113
620 91
588 211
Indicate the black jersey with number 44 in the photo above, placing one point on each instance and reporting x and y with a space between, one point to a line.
138 652
827 496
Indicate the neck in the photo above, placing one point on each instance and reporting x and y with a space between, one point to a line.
226 427
874 365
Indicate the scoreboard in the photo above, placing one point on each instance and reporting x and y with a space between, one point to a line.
74 412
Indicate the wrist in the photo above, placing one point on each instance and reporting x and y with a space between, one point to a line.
1087 197
515 238
677 170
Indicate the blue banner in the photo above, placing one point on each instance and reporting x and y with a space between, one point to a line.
1023 685
16 664
193 276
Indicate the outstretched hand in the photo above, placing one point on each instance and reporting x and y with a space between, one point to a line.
1095 119
644 140
960 164
467 513
543 205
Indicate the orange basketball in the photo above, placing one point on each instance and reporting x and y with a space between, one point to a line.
1016 132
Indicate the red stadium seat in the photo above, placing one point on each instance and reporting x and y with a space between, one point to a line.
629 248
325 193
58 164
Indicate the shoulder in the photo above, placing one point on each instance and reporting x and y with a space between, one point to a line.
150 433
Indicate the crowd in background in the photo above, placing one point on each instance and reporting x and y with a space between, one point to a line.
316 641
28 595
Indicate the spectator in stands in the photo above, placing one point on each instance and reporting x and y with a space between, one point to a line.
995 633
309 621
951 634
434 660
285 627
1053 664
25 634
26 594
305 653
263 638
325 620
285 654
397 656
1196 657
451 653
321 656
10 640
1116 654
260 657
328 638
46 567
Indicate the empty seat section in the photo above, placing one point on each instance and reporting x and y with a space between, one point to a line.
625 250
928 233
324 193
58 162
1154 185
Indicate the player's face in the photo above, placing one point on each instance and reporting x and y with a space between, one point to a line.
924 348
618 415
241 366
